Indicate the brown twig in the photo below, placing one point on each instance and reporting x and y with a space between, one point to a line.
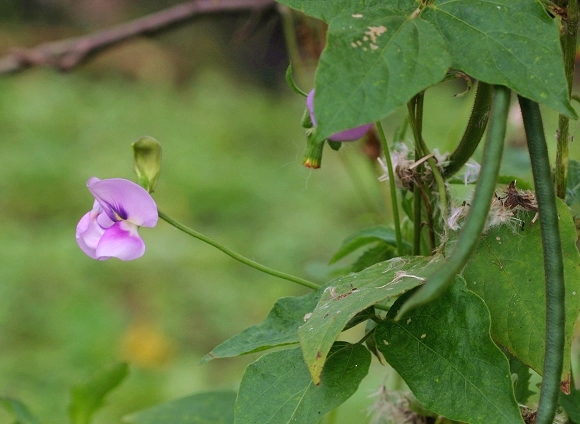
66 54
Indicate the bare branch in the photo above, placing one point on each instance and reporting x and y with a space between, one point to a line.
68 53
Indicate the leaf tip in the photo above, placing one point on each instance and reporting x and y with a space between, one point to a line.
207 358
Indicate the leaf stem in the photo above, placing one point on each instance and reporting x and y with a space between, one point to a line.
553 261
474 130
237 256
568 41
393 189
443 277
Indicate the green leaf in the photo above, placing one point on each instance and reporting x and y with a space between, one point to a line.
18 410
509 42
278 329
326 10
374 255
507 271
201 408
571 404
344 297
363 237
573 183
88 397
445 354
277 388
373 64
522 375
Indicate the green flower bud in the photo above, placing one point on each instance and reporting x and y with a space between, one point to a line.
313 155
147 162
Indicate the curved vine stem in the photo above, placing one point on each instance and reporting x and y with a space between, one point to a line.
393 189
237 256
553 262
474 130
442 278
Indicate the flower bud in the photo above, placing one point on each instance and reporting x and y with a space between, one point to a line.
147 162
313 155
346 135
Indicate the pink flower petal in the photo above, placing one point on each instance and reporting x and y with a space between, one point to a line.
121 241
310 106
352 134
89 232
124 200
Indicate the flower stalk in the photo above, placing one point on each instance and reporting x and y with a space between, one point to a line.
236 255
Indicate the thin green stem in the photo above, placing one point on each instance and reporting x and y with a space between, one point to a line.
473 132
416 222
393 189
401 130
417 216
237 256
568 41
553 261
443 277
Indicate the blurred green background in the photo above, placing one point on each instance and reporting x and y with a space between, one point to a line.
232 170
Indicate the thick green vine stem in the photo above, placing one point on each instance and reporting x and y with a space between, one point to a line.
475 221
474 130
237 256
553 262
393 189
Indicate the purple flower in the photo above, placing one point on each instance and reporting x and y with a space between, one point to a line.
347 135
110 229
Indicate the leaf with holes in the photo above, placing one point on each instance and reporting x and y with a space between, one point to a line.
373 64
346 296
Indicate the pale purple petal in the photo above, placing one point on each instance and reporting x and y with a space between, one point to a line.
310 106
89 232
347 135
124 200
352 134
120 241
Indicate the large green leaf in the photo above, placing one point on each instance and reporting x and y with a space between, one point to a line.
18 410
201 408
445 354
278 329
326 10
507 271
344 297
277 388
372 64
509 42
88 397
